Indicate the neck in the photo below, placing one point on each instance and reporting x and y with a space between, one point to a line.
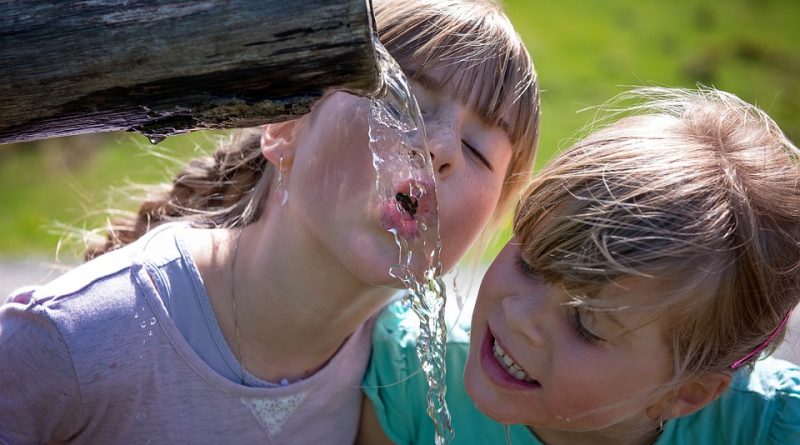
295 304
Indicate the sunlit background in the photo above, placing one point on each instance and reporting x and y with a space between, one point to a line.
585 53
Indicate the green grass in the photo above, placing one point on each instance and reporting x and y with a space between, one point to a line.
54 186
585 53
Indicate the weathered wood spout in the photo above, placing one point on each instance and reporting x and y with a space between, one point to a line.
172 66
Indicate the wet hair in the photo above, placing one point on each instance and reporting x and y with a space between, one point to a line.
473 38
693 187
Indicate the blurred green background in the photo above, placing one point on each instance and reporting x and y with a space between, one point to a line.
585 52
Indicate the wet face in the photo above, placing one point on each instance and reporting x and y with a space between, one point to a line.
537 361
331 182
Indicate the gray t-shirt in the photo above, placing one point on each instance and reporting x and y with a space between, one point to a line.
96 357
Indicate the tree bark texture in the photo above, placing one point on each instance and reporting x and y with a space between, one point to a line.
171 66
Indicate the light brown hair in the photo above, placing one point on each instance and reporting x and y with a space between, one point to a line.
473 38
695 187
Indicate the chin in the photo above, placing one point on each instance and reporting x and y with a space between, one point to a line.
477 391
490 408
374 269
486 400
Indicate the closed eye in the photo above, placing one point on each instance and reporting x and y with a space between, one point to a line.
475 152
581 330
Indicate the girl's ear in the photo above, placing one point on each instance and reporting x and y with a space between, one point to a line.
690 396
278 141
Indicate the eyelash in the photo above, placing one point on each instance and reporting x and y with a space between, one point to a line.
478 155
581 330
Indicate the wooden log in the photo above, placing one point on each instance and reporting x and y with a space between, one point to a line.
172 66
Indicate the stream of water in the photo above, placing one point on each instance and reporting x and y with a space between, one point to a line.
407 190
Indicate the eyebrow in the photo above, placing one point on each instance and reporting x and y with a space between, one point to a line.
431 83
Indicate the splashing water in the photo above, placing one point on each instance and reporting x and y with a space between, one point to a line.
406 189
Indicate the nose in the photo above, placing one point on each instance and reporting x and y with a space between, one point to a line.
525 317
444 143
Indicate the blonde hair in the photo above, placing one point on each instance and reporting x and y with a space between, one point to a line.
471 37
698 188
474 42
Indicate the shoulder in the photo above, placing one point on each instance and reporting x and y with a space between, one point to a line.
90 312
37 375
70 298
396 385
393 360
77 313
395 333
761 406
398 325
103 284
775 384
395 336
771 379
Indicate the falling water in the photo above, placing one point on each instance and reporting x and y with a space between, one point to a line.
406 188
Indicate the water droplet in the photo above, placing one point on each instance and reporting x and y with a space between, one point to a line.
155 138
152 321
143 324
136 315
150 333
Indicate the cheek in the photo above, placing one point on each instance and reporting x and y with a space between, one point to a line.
465 208
596 391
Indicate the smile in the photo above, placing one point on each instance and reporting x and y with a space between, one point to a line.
510 365
501 369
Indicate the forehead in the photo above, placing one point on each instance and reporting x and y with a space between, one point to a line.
471 84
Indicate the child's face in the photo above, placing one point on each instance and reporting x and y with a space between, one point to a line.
581 370
332 180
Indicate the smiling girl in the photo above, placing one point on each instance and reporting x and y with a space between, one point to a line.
653 266
236 306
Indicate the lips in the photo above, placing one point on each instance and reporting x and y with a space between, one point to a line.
410 208
501 368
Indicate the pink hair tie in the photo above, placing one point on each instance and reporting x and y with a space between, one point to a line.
766 343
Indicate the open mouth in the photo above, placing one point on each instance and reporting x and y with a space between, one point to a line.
408 214
407 202
510 365
412 196
502 369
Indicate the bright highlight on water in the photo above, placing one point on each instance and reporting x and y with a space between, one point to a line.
406 188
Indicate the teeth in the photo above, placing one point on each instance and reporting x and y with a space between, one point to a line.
509 364
519 374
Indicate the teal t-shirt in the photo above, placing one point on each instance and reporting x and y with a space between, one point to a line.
762 407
